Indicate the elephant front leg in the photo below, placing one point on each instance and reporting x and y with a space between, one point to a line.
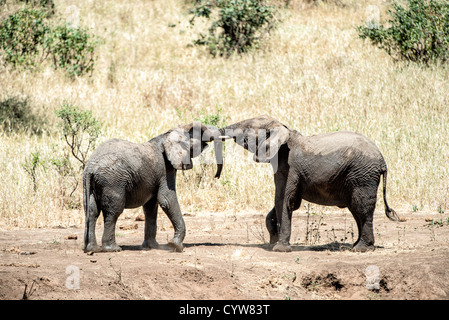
150 211
287 199
168 201
283 244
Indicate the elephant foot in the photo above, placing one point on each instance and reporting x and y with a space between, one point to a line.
361 247
175 245
111 248
92 248
282 247
150 244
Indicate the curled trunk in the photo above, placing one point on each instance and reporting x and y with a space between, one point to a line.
214 134
218 148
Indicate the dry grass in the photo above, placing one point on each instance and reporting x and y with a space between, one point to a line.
313 74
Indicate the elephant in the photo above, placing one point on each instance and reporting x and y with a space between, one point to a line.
122 174
340 169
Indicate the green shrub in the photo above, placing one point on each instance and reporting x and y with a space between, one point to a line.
28 39
215 119
16 115
22 35
418 32
72 49
31 165
238 25
80 129
47 5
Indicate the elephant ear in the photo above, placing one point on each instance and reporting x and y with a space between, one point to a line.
177 149
268 148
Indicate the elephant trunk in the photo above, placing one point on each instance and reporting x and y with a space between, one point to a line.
214 134
220 135
218 148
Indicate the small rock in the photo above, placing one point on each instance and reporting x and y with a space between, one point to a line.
71 237
17 250
14 250
140 217
27 253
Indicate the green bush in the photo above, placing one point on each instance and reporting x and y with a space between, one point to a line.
16 116
418 32
72 49
28 39
237 26
22 36
217 119
31 165
80 129
47 5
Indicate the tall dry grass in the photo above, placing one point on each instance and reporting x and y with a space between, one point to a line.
314 74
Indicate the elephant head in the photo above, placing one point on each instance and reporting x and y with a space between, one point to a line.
262 136
186 142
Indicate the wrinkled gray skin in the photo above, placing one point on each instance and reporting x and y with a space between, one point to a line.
334 169
121 174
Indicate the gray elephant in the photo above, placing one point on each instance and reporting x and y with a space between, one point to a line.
121 174
340 169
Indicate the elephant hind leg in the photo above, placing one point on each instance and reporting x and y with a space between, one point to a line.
362 208
108 242
112 207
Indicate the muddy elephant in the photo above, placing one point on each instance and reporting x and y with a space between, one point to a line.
340 169
121 174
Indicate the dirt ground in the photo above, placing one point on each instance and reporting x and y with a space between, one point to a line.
226 256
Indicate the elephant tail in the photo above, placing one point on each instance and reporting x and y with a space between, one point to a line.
391 214
86 195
